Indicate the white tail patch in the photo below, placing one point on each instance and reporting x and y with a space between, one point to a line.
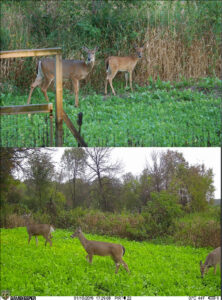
40 73
108 70
51 229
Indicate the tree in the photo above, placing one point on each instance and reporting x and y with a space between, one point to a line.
100 165
39 172
130 193
74 163
199 184
161 212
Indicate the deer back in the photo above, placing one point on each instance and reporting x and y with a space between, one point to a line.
104 248
39 229
70 68
213 257
126 63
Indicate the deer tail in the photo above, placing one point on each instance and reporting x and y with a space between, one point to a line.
40 74
51 229
107 65
123 250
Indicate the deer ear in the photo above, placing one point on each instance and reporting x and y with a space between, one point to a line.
85 49
96 48
201 263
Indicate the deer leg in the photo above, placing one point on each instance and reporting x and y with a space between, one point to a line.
36 83
76 91
117 267
47 239
215 269
87 257
36 240
110 78
90 258
106 82
130 78
126 78
45 86
110 83
124 264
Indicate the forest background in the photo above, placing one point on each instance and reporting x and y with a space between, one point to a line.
169 201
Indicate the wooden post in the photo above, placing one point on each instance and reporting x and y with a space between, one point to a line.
59 107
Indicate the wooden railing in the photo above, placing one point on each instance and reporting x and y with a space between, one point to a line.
59 91
30 109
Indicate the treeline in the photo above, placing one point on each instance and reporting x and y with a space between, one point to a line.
182 38
88 188
89 178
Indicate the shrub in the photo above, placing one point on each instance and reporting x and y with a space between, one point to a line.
198 233
161 213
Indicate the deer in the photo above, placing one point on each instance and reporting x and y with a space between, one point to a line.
212 260
116 251
75 70
126 64
38 229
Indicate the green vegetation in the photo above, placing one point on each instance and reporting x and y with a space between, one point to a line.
184 37
63 270
169 201
157 115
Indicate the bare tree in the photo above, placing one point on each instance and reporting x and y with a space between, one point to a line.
100 165
74 163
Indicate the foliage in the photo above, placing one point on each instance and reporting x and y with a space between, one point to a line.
161 213
152 116
184 37
198 232
39 172
156 270
200 229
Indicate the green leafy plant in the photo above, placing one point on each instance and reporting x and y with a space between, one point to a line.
63 270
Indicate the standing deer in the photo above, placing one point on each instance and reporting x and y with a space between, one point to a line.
212 260
116 251
71 69
38 229
122 64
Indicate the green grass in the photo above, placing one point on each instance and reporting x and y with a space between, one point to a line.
63 269
211 213
160 114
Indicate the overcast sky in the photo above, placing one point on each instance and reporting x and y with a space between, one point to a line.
134 159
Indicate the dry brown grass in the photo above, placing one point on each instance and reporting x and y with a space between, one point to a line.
199 233
14 220
165 56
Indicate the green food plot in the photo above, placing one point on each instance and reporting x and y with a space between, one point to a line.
160 115
63 270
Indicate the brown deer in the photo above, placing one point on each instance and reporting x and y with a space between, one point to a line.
75 70
212 260
116 251
38 229
122 64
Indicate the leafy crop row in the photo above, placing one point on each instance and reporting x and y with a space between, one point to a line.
63 269
164 116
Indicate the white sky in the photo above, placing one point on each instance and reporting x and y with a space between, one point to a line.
134 159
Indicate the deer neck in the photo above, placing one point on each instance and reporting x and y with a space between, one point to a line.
83 240
89 66
135 58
